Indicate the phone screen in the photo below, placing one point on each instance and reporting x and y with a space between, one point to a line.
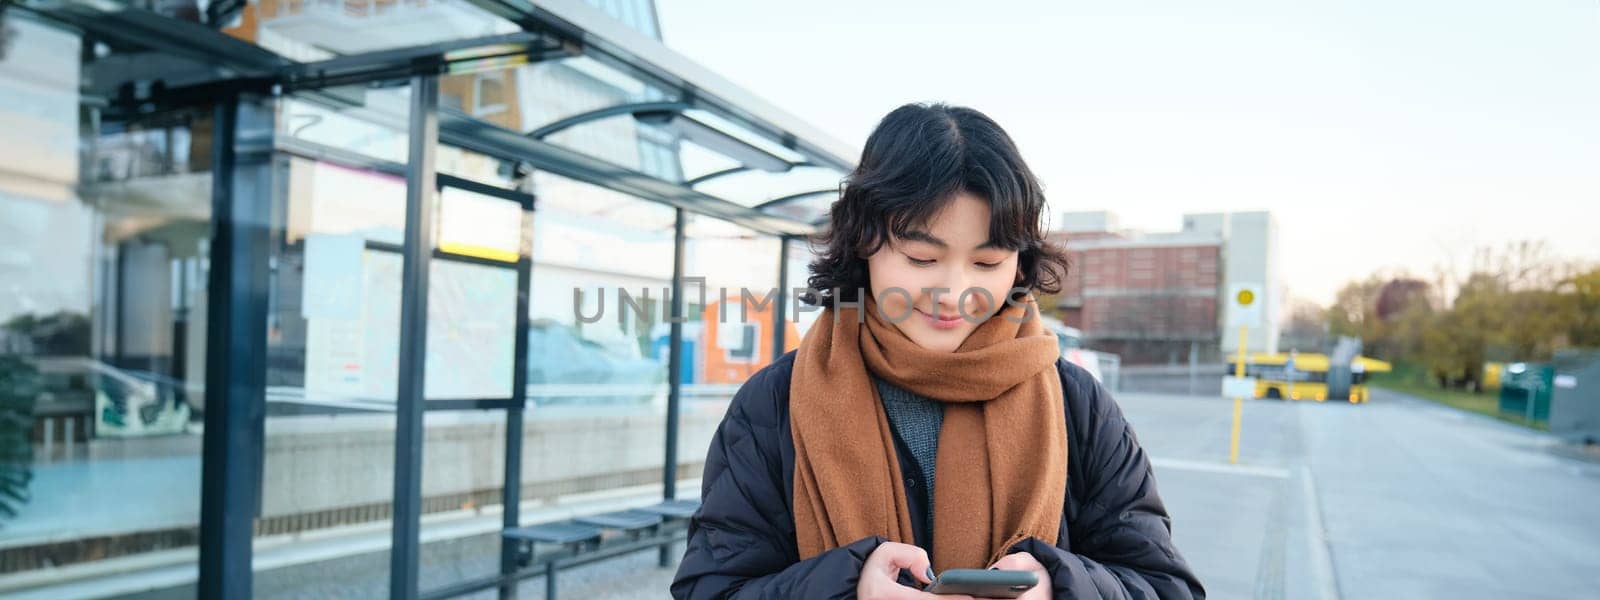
983 583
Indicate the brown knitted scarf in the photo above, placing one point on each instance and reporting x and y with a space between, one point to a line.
1001 470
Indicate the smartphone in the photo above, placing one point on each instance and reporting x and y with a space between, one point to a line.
983 583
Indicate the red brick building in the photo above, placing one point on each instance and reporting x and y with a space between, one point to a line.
1149 298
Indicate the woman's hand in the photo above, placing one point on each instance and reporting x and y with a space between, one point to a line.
880 574
1022 561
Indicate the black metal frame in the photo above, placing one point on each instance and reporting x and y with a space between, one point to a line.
236 345
458 129
714 175
420 193
526 201
423 188
669 468
444 57
634 108
507 580
537 16
780 201
240 65
779 332
511 483
320 152
408 544
468 404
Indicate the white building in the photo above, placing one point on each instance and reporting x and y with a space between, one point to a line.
1250 256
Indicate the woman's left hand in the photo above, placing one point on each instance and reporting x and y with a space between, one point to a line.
1022 561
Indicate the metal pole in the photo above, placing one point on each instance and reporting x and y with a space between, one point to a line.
779 331
420 192
1194 366
511 488
669 468
1238 402
236 343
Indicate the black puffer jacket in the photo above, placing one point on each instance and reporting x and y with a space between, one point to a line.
1115 539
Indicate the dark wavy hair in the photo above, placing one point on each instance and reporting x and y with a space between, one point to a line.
915 162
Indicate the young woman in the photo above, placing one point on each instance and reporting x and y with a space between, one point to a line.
926 422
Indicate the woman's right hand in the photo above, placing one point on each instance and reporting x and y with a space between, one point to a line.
880 575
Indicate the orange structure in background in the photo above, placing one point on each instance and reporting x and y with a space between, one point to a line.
737 348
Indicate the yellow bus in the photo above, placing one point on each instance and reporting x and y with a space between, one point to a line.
1306 376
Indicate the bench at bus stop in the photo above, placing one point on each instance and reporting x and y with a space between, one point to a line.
549 548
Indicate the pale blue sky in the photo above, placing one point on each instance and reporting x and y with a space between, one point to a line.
1383 134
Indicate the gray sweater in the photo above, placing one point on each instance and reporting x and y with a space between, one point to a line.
917 420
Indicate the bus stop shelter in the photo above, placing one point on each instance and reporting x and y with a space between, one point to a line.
780 177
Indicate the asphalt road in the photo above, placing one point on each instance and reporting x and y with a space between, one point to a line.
1398 498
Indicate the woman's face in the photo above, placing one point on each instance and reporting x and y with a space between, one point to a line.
918 280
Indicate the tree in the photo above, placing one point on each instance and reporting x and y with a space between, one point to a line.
1388 314
1516 302
19 391
63 333
1580 297
1456 341
1354 310
1307 329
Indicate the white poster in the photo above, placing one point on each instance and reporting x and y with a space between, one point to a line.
332 283
472 313
356 358
471 333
